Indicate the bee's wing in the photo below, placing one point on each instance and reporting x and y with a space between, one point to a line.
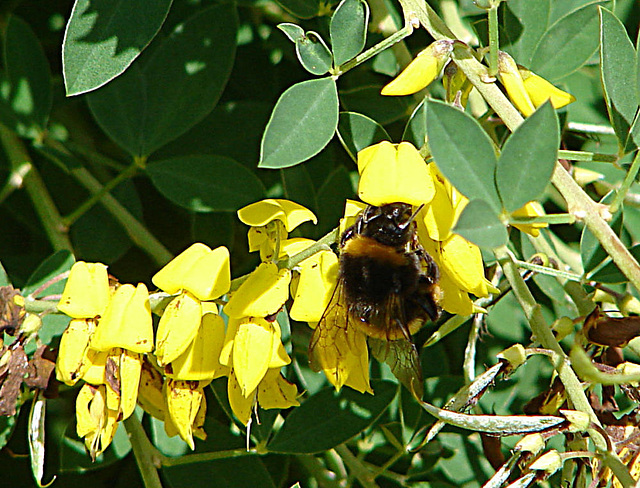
332 338
401 354
402 357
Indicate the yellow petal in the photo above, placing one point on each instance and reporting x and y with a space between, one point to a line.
540 90
456 84
86 293
257 236
252 351
352 209
240 404
453 299
291 247
421 71
88 411
462 261
73 347
130 369
276 392
150 395
183 404
531 209
126 322
513 83
178 326
93 366
279 356
262 294
201 359
226 354
202 271
318 277
439 215
261 213
389 174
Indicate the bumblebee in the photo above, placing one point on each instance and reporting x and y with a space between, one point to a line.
387 289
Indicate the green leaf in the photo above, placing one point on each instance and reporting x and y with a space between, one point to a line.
528 157
331 197
327 419
303 9
51 267
292 31
7 425
205 183
301 125
416 129
366 99
617 70
567 45
313 53
348 30
479 224
523 25
610 273
179 83
25 90
463 152
591 251
357 131
104 37
4 280
297 186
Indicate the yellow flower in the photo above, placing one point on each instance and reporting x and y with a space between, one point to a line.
441 215
531 209
186 408
95 421
527 90
422 70
178 327
262 294
391 174
86 294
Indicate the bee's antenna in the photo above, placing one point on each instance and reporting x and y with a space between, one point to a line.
412 218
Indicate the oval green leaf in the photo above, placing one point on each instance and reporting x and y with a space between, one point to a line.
479 224
303 9
416 129
523 24
103 38
617 70
206 183
154 102
568 44
327 419
292 31
610 273
357 131
463 152
348 30
301 125
25 101
313 53
528 157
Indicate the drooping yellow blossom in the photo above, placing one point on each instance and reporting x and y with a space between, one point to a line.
422 70
390 173
86 294
95 422
186 408
527 90
531 209
270 220
262 294
178 327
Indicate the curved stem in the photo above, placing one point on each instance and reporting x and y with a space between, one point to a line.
147 456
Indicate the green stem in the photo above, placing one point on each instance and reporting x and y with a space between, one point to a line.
493 40
42 202
551 219
545 270
205 456
147 456
587 156
581 205
14 180
626 184
544 335
364 476
320 245
97 197
398 36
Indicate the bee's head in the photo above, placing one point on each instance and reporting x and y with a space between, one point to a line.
389 224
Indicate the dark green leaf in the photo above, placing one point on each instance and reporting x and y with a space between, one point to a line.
366 99
479 224
416 129
610 273
303 9
301 125
617 69
463 152
528 157
298 186
313 53
53 266
357 131
524 23
348 30
4 277
7 424
327 419
292 31
104 37
205 183
26 94
154 102
567 45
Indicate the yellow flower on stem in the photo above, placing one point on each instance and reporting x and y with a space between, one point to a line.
540 90
531 209
424 69
86 294
390 174
186 408
95 422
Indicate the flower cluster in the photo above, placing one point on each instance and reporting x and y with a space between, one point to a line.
526 89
